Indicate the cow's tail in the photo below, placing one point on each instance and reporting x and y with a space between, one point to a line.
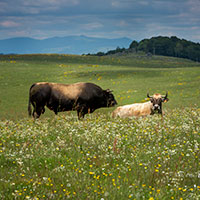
29 102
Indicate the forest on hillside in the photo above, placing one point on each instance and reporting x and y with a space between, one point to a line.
165 46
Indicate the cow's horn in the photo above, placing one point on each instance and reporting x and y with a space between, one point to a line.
166 95
148 95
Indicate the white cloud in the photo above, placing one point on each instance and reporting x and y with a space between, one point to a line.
9 24
47 3
194 6
106 18
123 23
92 26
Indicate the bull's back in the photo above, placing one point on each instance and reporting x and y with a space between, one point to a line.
76 90
67 91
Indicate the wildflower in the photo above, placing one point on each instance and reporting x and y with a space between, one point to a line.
143 185
91 173
130 196
151 198
105 174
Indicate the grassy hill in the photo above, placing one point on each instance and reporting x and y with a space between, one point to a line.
59 157
130 77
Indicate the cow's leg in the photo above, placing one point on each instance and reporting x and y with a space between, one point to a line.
55 111
43 110
80 107
34 110
80 114
38 111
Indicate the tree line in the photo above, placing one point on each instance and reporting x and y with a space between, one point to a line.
165 46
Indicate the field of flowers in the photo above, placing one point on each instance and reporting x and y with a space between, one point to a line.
101 158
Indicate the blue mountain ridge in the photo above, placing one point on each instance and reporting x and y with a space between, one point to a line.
61 45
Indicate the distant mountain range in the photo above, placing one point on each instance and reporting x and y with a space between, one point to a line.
61 45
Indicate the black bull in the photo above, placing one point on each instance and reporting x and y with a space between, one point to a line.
82 97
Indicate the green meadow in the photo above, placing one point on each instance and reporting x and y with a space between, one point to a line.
130 78
59 157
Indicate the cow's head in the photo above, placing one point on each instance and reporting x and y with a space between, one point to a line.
110 98
157 100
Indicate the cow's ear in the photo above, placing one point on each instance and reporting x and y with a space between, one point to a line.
165 100
109 91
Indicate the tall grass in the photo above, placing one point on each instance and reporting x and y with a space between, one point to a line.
101 158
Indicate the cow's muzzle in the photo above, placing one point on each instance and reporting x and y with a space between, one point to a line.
156 107
113 103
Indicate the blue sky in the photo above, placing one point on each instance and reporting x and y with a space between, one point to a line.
136 19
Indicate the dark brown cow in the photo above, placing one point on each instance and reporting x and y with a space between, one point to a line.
82 97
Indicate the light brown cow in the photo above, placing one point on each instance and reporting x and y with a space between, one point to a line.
142 109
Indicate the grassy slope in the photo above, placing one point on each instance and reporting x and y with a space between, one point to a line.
99 157
130 78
